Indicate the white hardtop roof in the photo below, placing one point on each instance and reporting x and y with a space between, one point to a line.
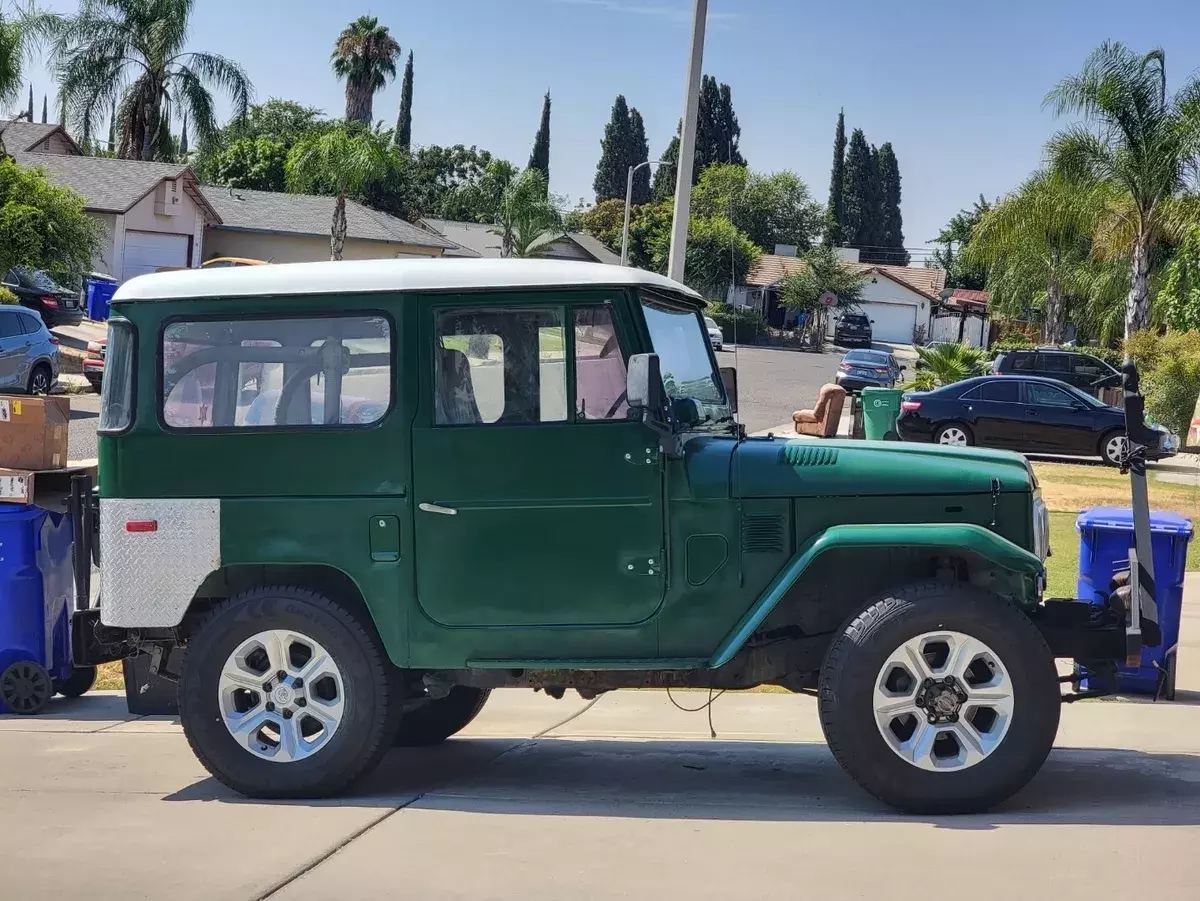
366 276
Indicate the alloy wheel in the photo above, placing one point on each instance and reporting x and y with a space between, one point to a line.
40 383
281 696
943 701
1115 448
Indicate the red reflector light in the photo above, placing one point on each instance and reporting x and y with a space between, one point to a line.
844 366
50 302
908 406
53 340
142 525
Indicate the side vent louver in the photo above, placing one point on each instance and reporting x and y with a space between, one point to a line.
762 533
807 453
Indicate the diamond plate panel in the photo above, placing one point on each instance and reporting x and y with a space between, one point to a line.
149 578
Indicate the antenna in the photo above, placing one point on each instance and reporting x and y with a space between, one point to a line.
741 432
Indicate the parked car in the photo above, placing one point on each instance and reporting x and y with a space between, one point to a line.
716 337
1073 367
93 366
42 294
868 368
852 328
1033 415
28 352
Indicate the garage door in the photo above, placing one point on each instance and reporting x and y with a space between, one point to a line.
148 251
892 321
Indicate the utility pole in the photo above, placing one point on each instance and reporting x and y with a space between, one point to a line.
687 147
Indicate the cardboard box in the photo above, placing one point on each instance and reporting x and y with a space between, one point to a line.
48 488
34 432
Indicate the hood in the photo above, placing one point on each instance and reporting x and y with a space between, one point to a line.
800 467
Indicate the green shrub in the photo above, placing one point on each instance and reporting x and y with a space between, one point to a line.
945 364
739 325
1170 369
1003 345
7 297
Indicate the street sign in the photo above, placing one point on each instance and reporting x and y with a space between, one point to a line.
828 299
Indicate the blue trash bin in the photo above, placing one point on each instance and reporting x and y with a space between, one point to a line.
36 587
99 293
1105 537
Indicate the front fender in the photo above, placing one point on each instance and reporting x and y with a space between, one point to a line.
973 539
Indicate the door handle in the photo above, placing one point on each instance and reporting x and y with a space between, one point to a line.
437 508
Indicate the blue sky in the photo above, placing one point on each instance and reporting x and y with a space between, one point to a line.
957 87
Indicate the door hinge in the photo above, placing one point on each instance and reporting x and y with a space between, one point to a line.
645 456
643 566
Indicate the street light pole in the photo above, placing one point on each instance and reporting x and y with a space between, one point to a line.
687 147
628 206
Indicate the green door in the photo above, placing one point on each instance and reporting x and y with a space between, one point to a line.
538 503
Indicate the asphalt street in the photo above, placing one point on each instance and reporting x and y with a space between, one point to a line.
85 416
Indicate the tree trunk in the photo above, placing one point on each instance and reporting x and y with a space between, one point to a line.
150 120
359 103
1137 306
1052 329
337 235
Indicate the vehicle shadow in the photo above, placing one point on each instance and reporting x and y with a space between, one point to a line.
77 414
722 780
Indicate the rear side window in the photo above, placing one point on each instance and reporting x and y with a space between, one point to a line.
116 395
1002 391
320 372
10 324
1055 363
31 325
1023 362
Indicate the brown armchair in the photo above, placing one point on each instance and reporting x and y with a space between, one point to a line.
822 421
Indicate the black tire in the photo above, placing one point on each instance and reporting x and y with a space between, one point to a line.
79 683
437 719
1103 449
961 426
41 379
369 684
853 664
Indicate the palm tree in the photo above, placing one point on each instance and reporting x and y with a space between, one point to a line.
365 55
17 35
945 364
1145 148
342 159
528 222
131 53
1035 242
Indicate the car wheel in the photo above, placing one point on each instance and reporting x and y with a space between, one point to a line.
435 719
41 379
940 698
954 434
286 693
1113 447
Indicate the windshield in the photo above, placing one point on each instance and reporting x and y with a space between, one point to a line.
854 320
684 354
1084 396
116 395
35 278
867 356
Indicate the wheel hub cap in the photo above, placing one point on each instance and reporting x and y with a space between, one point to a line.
943 701
281 696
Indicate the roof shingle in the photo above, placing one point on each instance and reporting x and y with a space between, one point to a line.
308 214
771 268
110 186
24 136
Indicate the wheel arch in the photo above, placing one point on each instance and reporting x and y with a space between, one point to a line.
971 552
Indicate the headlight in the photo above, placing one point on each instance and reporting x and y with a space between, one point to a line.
1041 528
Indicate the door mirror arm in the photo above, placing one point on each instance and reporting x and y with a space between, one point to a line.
647 401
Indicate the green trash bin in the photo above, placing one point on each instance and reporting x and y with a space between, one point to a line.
881 407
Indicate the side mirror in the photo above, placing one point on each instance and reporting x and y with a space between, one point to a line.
644 385
729 380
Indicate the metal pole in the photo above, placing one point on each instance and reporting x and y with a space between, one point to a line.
625 228
687 147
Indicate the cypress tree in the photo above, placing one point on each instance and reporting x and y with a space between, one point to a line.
835 213
664 178
183 139
615 154
857 194
402 137
45 109
30 103
640 154
540 157
891 222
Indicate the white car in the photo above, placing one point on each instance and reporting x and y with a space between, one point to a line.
715 336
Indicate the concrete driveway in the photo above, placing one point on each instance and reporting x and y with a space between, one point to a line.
629 799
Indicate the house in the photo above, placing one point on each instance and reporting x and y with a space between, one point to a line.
158 215
898 299
474 239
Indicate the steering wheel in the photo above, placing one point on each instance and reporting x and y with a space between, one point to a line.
613 409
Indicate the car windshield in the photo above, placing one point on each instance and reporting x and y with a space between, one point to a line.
854 320
685 357
866 356
1077 394
709 322
35 278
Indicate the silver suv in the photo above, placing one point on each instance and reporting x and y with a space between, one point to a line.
28 352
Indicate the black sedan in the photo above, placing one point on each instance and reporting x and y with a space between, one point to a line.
39 292
1032 415
868 369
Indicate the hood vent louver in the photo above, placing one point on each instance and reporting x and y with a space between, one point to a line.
762 533
807 453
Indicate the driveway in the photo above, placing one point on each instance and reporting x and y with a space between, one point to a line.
631 798
773 382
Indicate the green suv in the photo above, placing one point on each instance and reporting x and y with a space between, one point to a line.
343 502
